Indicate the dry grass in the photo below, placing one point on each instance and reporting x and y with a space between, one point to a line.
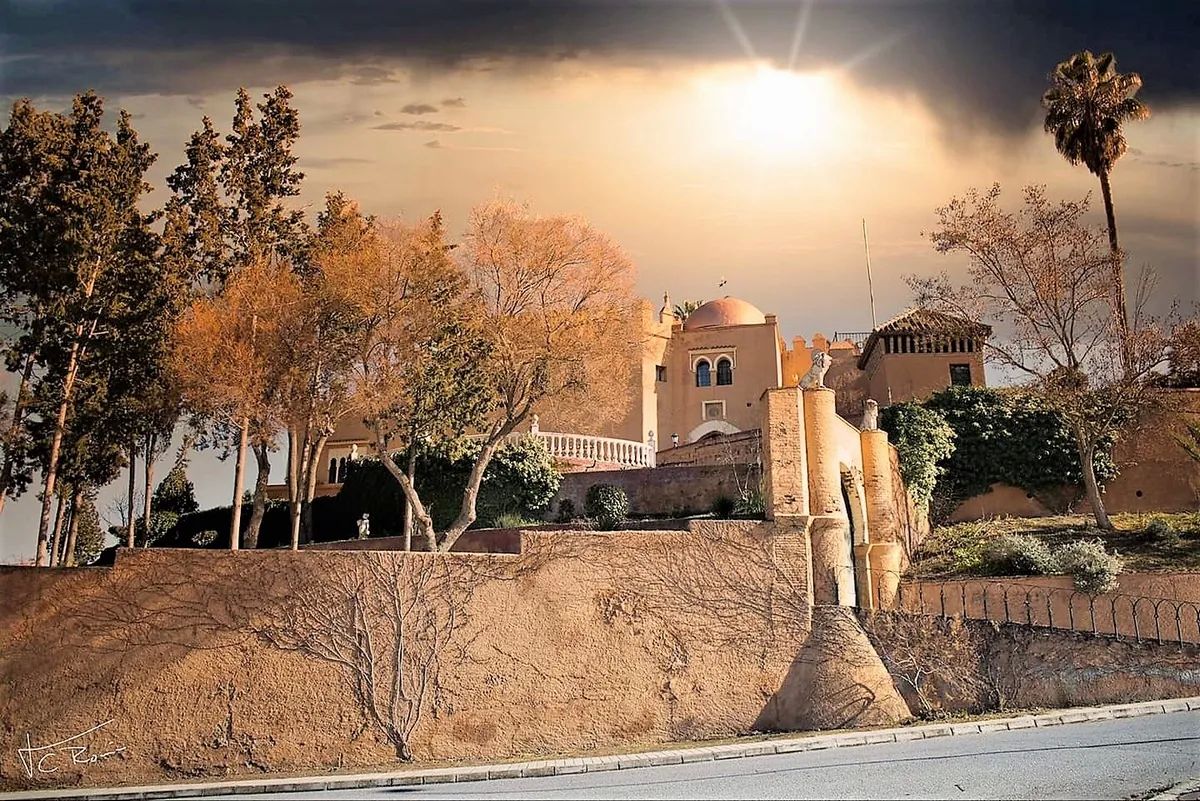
959 549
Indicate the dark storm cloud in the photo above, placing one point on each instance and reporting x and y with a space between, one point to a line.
977 64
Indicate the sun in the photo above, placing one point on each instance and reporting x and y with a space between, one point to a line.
775 112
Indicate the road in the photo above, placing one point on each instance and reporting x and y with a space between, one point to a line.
1105 759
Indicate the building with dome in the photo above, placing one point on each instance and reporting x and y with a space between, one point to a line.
705 376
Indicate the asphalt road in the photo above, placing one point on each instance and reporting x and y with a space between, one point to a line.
1106 759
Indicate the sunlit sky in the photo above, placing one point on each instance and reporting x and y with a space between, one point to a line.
736 141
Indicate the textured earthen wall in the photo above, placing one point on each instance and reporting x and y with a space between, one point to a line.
677 491
972 665
583 640
1146 605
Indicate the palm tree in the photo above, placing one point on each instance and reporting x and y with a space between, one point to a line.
1086 104
682 310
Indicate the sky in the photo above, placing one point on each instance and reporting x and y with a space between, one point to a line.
731 141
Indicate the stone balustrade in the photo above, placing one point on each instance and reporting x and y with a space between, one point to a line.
605 450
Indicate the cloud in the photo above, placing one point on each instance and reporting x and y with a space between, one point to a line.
419 125
434 144
454 102
419 108
331 162
979 65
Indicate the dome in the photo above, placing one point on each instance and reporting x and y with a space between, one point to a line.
724 312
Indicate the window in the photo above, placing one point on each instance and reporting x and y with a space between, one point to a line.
724 373
703 374
333 471
714 410
960 375
660 373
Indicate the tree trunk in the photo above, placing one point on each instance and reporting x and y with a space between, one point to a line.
131 526
148 488
262 454
408 515
422 522
1118 271
56 544
76 500
312 464
1091 486
239 476
466 514
50 481
293 481
6 474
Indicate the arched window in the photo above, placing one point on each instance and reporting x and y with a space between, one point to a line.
724 373
341 470
703 374
333 471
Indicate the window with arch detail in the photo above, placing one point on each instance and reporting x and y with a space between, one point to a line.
333 470
724 373
703 373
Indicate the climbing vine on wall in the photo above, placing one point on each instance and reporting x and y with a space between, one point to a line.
924 441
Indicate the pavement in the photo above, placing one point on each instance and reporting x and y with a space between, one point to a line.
1130 750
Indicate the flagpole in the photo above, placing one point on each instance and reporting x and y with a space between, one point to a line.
870 284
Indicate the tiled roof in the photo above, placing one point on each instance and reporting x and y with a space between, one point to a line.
923 321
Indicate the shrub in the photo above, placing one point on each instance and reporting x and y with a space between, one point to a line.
513 520
1093 569
751 505
923 440
723 507
960 548
1019 555
1159 532
566 511
204 538
606 504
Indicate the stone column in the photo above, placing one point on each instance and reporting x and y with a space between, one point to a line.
785 473
880 560
832 561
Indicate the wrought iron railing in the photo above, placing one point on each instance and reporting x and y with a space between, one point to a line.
1113 614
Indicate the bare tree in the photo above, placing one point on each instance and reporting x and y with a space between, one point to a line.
1045 275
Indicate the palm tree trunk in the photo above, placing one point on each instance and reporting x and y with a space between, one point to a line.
239 477
1118 271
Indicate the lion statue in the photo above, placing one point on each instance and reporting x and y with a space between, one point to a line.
815 377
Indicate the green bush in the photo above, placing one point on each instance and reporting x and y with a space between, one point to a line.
751 505
723 507
1018 555
607 505
924 440
566 511
1160 532
960 548
513 520
1093 569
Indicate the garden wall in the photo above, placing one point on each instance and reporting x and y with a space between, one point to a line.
676 491
957 665
1145 605
233 663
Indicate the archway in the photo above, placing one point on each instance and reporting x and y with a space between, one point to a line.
710 426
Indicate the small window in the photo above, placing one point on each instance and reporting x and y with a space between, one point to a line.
714 410
960 375
703 374
660 373
333 471
724 373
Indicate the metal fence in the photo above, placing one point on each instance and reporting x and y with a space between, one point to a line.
1113 614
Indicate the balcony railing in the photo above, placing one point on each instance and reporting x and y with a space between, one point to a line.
624 453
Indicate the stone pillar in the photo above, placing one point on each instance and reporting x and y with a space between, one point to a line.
879 562
785 474
832 560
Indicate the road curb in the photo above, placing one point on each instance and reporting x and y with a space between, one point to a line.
1187 787
674 756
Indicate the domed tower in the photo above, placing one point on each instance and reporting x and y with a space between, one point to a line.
715 369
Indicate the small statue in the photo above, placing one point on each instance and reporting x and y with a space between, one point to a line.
364 526
870 420
815 377
534 425
354 452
